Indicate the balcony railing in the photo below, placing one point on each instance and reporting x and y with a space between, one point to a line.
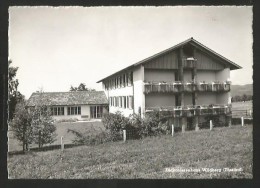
175 87
189 111
162 87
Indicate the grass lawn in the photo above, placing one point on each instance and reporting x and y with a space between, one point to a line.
226 147
14 145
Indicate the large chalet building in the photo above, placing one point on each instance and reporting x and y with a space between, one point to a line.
189 81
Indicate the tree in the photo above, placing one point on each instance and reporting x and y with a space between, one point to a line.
14 96
21 125
42 123
81 87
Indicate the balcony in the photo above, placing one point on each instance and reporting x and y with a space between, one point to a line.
162 87
190 111
177 86
189 63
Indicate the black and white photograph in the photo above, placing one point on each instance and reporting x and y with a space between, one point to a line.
130 92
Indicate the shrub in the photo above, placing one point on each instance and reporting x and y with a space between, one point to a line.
115 123
43 126
92 137
21 125
216 120
136 127
156 123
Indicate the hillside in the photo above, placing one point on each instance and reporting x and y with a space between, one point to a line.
241 89
150 158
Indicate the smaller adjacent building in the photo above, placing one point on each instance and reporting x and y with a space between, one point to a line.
80 105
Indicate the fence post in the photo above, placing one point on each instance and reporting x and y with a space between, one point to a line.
124 135
210 125
39 139
250 113
172 129
242 121
61 143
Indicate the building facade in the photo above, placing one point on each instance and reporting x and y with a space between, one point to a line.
76 105
186 80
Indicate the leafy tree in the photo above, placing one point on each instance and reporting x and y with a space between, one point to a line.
21 125
42 123
14 96
81 87
244 97
43 126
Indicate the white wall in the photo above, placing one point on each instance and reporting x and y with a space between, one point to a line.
206 75
158 100
206 98
125 111
223 75
139 97
223 98
187 99
187 76
159 75
124 91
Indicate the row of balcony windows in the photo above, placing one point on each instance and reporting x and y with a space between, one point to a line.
189 111
175 87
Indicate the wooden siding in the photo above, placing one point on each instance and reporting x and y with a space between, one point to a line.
204 62
167 61
170 61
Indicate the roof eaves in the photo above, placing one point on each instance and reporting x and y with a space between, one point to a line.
236 66
149 58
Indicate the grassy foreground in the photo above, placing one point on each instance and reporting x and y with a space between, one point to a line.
227 147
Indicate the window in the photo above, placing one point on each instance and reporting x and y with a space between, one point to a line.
74 110
119 101
125 101
57 111
130 79
119 81
124 80
130 102
96 112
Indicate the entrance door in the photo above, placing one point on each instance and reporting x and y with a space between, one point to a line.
96 112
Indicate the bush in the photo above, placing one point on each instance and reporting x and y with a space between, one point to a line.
43 126
92 137
156 123
21 125
135 126
216 120
115 123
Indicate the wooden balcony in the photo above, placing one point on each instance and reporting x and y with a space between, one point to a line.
189 63
177 86
190 111
162 87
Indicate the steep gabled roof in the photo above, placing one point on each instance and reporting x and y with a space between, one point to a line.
68 98
193 42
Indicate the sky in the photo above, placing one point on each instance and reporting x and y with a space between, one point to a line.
56 47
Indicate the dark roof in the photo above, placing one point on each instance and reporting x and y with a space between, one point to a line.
191 41
68 98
